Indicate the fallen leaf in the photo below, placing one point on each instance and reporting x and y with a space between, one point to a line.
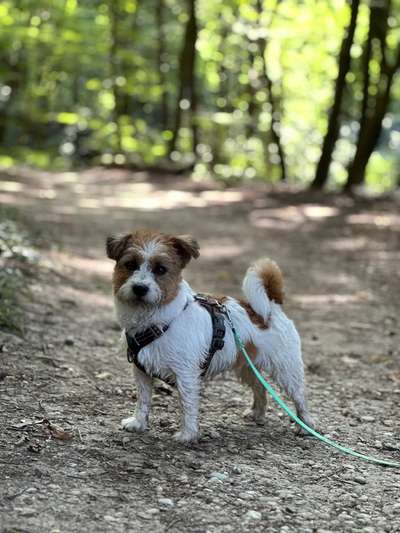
57 432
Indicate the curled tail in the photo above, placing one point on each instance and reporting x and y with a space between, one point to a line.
263 284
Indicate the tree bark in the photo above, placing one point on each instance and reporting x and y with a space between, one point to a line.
369 135
114 68
276 115
187 79
332 133
160 61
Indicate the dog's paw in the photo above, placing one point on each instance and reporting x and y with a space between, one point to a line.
186 437
310 423
251 415
133 424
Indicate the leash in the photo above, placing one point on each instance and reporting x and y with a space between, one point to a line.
293 416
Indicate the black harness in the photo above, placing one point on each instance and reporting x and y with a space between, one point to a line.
140 340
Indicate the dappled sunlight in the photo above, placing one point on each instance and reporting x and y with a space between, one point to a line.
376 219
289 217
332 298
147 198
348 243
71 193
318 212
220 251
10 186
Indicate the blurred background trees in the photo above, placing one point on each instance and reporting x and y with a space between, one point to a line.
304 92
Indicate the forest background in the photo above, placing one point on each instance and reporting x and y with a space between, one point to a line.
300 91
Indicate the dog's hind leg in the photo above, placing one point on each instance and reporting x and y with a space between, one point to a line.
246 376
291 380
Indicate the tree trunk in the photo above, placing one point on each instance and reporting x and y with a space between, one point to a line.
251 91
160 60
187 85
332 133
369 135
114 68
276 115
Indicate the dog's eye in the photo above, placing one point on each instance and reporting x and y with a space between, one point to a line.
131 265
159 270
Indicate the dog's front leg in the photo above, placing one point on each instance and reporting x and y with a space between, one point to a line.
188 389
139 422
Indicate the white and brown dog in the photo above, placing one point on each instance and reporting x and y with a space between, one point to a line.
149 291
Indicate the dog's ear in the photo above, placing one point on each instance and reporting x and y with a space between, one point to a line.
186 247
116 244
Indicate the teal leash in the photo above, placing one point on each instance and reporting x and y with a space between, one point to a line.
294 417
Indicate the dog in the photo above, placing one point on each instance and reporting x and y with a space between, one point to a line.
150 293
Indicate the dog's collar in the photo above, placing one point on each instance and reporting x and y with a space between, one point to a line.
144 338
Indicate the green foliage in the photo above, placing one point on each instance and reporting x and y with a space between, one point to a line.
85 82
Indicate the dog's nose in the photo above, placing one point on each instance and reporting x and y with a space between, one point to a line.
140 290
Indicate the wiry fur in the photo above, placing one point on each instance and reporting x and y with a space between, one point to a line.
271 337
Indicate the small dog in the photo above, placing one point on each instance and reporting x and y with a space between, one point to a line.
149 291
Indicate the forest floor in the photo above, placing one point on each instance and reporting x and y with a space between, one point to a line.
65 464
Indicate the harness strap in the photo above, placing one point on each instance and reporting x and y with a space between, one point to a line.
218 324
140 340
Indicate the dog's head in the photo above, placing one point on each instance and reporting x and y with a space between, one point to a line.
149 265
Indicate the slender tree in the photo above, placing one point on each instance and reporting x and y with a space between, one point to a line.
332 133
369 136
186 81
113 13
376 94
161 52
276 114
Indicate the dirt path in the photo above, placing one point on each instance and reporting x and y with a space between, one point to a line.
340 259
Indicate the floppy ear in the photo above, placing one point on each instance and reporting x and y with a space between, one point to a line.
187 247
116 244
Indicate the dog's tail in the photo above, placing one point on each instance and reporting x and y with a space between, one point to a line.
263 284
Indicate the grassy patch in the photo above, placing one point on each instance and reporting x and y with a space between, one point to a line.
17 255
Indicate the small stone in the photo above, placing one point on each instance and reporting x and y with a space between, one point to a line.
218 476
367 418
166 503
109 518
69 341
390 446
253 515
248 495
359 479
148 514
27 512
125 441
